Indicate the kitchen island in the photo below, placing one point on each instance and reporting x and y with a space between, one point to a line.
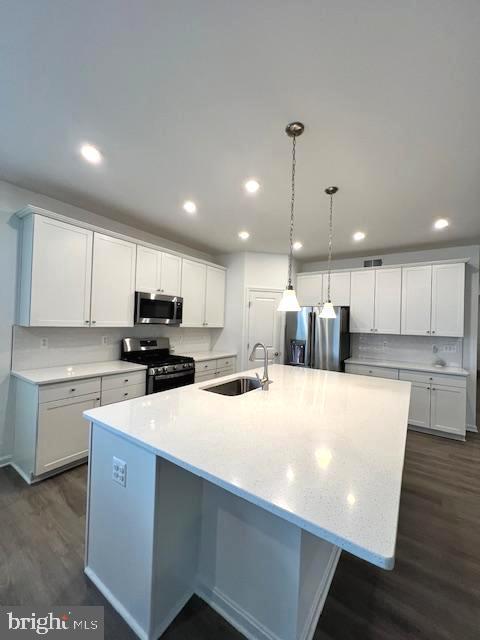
246 501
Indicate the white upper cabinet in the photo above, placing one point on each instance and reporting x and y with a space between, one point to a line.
309 289
194 281
203 292
388 296
448 291
158 271
149 264
416 300
171 274
56 273
339 288
113 282
362 301
215 297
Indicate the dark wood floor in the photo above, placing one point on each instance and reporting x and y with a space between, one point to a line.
432 594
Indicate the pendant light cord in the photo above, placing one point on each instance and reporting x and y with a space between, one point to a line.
330 236
292 213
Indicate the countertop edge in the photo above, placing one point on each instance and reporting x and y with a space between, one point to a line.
383 562
21 374
410 366
200 356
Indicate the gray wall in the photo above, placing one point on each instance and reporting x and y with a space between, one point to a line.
12 199
470 342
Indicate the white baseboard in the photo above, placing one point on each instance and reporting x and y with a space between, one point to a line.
5 461
320 597
240 619
171 615
21 472
472 427
117 605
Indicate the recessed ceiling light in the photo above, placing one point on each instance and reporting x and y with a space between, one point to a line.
244 235
441 223
359 235
91 153
297 245
189 206
252 186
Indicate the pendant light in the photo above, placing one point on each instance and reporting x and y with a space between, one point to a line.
327 310
289 300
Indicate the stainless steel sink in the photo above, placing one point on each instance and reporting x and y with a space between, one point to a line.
235 387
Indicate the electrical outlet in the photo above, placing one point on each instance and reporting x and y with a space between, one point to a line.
105 340
43 343
119 471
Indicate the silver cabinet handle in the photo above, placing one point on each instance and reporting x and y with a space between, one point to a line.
427 332
276 353
73 389
87 321
94 322
430 378
126 380
433 331
126 393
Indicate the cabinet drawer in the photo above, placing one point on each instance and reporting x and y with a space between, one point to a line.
208 375
225 363
208 365
63 390
376 372
459 382
109 396
123 380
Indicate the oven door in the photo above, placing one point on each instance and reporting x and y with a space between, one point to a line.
164 382
156 308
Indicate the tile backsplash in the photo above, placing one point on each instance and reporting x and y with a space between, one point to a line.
36 347
418 349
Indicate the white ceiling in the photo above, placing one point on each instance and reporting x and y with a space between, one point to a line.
189 98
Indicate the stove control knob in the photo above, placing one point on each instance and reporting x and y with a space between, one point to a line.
185 366
165 369
174 368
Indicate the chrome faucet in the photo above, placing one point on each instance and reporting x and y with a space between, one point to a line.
265 381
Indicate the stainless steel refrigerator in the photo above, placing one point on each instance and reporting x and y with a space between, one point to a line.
318 343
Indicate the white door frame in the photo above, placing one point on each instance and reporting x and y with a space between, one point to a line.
245 352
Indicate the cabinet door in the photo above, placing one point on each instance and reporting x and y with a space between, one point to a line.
113 282
61 274
419 413
171 274
309 290
62 435
149 263
215 297
362 301
388 297
448 409
339 288
448 299
194 276
416 300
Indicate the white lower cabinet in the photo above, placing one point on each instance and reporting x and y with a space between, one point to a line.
447 409
51 433
62 432
419 413
438 402
211 369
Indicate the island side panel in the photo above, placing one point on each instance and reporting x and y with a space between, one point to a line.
119 556
177 538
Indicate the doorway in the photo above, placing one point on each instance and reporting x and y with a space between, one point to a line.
264 324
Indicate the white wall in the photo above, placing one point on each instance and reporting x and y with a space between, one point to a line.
247 270
12 199
470 341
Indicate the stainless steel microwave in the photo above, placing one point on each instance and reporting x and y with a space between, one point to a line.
157 308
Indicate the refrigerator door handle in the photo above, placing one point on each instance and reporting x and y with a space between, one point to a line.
311 329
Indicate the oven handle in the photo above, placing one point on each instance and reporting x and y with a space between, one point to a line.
180 374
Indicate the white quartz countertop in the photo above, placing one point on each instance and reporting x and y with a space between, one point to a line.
48 375
202 356
321 449
410 366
